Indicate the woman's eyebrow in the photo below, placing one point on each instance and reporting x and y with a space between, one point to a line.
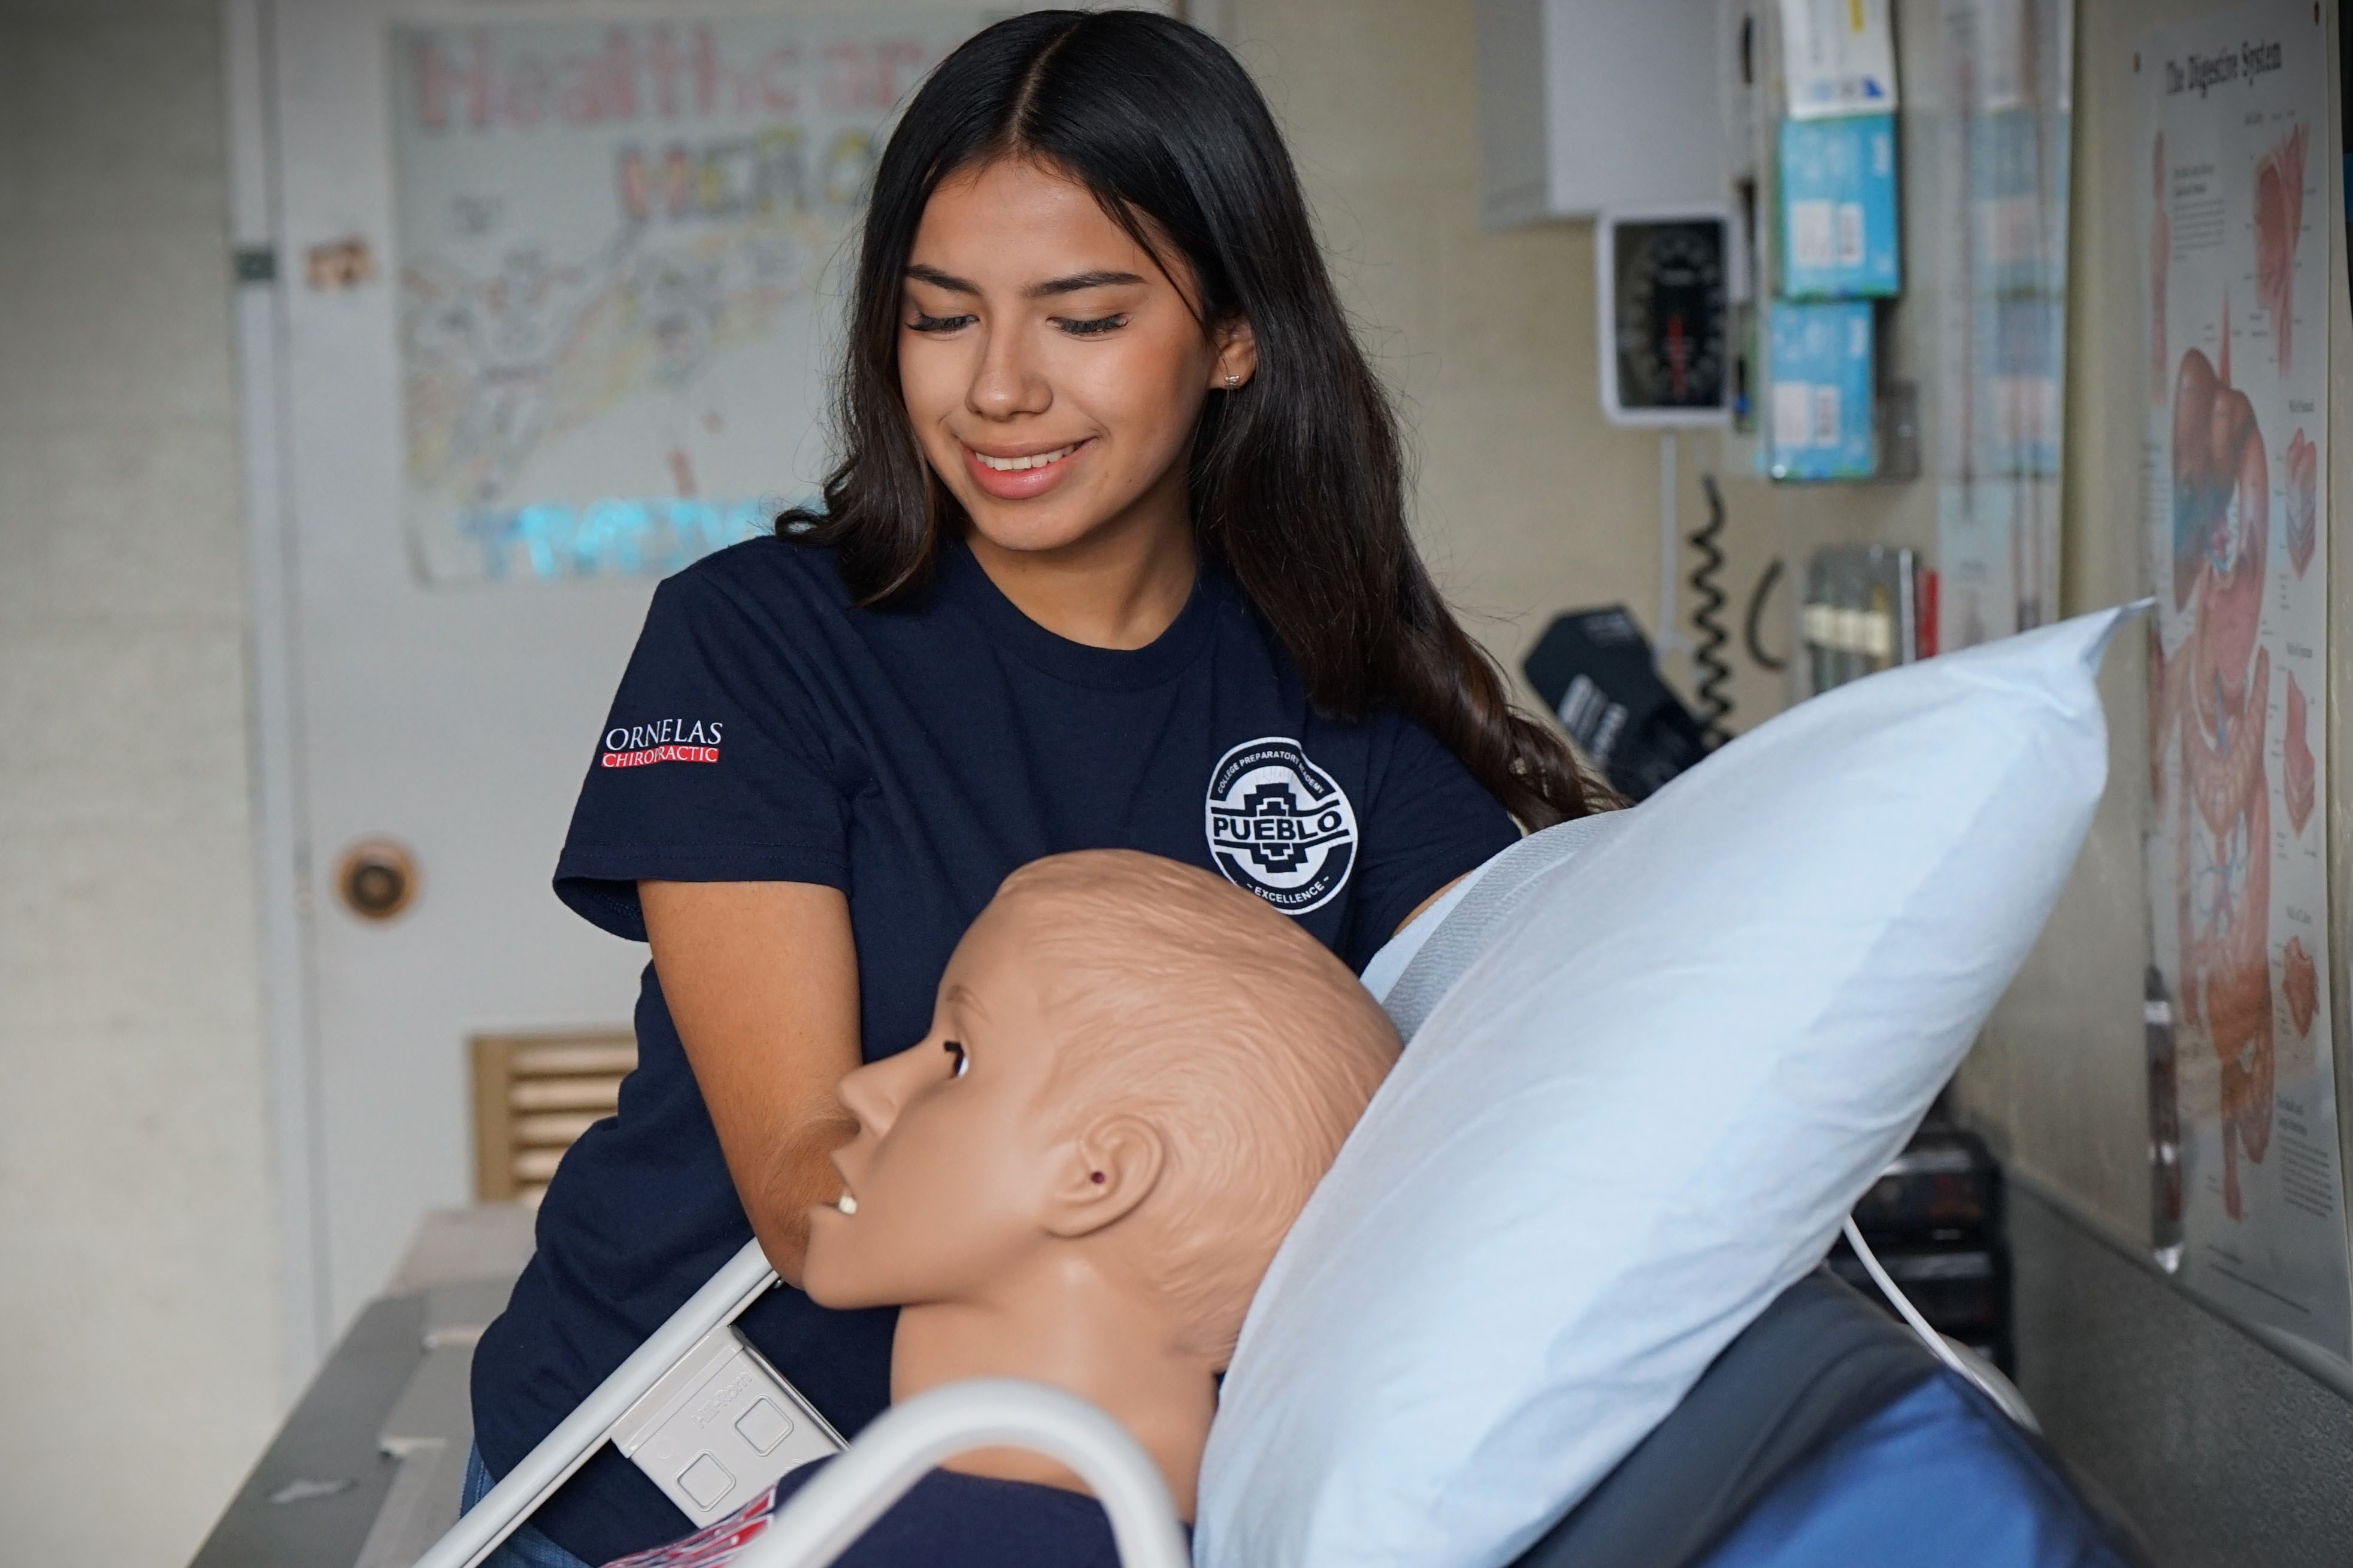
939 280
1100 278
1078 280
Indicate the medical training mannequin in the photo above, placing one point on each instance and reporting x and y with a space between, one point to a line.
1136 1075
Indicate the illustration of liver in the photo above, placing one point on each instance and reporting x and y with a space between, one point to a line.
2303 463
2279 218
2300 986
2221 506
2295 760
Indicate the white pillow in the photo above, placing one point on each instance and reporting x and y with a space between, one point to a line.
1388 966
1642 1112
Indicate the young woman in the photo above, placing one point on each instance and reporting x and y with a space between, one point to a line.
1115 556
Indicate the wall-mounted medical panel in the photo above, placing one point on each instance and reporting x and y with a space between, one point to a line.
1587 104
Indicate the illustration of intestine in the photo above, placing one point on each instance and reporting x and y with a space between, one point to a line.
2303 463
2160 252
2299 985
2279 219
2297 773
2214 691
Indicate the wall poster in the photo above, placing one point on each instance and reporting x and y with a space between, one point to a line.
615 240
2002 318
2230 163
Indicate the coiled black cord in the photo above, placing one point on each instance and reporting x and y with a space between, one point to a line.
1756 597
1707 653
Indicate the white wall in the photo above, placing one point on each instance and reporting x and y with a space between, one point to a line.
2061 1075
137 1298
1527 503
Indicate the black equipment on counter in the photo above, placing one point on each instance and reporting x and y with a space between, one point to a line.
1935 1219
1594 666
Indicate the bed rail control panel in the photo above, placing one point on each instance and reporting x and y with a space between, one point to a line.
720 1427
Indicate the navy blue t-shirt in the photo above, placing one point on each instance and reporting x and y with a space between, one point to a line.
767 730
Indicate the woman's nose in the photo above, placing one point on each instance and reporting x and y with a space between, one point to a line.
1005 382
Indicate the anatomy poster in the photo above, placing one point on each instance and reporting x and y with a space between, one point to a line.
619 246
2234 214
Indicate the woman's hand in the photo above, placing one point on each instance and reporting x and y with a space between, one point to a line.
762 981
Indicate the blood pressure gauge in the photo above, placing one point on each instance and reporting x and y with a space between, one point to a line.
1665 316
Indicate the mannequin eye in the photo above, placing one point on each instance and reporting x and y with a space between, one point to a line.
955 1049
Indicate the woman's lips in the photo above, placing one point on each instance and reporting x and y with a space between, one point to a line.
1020 477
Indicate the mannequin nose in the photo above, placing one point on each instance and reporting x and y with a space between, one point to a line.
876 1092
867 1094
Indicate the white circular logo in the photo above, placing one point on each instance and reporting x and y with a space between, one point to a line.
1279 826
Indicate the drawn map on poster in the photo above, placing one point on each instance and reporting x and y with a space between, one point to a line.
620 248
2236 277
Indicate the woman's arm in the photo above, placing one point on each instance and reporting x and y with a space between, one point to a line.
762 981
1425 904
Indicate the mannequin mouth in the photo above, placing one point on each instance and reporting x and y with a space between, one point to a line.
1018 476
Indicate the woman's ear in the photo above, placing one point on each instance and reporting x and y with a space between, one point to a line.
1237 359
1108 1171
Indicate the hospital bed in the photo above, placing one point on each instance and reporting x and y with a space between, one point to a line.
1791 1425
364 1473
366 1470
1818 1365
1778 1436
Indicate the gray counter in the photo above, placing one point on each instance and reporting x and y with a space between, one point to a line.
366 1471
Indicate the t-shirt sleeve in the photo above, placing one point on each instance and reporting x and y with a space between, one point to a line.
712 766
1428 822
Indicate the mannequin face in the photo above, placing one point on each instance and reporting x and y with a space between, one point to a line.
960 1180
1033 326
1136 1073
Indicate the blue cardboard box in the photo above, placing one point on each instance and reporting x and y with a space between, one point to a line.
1818 419
1838 211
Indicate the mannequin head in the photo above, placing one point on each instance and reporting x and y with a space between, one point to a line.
1135 1078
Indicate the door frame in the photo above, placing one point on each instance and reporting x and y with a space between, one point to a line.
274 736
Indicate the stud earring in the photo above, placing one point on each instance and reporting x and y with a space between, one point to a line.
1232 380
1096 1177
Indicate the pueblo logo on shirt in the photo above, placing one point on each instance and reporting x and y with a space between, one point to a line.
1280 825
664 741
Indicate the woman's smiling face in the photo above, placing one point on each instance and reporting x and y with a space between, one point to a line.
1051 368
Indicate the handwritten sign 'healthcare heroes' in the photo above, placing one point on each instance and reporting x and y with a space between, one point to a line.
615 243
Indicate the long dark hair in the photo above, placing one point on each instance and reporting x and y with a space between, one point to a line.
1297 483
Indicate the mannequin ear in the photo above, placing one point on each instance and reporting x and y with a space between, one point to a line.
1111 1168
1237 359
